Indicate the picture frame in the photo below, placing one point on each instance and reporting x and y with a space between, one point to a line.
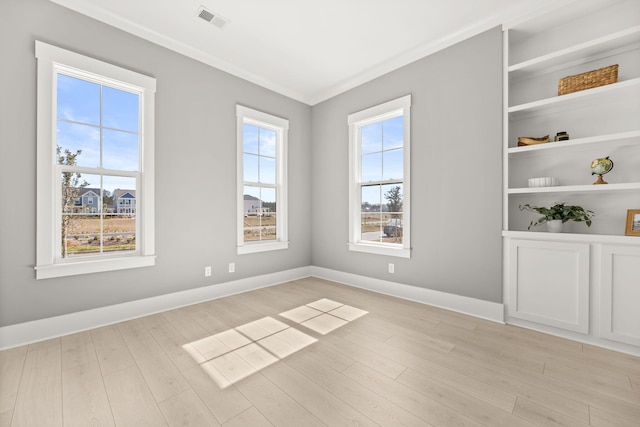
633 223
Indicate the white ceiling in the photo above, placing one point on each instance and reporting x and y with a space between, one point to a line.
309 50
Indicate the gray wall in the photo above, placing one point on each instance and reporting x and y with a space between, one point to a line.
456 131
195 160
456 171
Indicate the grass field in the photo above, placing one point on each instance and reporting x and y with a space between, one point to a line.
259 228
84 232
91 225
84 235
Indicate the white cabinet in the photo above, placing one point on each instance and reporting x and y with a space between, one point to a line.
583 283
581 287
549 283
620 294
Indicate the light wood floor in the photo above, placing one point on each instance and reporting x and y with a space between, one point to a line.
400 364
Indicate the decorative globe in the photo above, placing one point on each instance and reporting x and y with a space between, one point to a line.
600 167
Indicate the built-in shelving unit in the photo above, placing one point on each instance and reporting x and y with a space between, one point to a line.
555 282
601 121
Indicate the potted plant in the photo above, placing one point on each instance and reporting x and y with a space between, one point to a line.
558 214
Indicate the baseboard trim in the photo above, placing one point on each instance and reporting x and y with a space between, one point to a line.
487 310
38 330
575 336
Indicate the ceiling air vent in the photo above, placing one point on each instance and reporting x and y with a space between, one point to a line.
211 17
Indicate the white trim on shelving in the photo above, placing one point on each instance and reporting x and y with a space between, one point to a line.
590 50
558 103
625 186
631 137
572 237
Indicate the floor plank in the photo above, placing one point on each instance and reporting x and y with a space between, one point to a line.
493 374
321 403
186 409
5 418
160 374
77 350
600 418
277 406
251 417
131 400
11 365
379 409
542 416
224 404
39 400
460 401
85 401
112 352
411 400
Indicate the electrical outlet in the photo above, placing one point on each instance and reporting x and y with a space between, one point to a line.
232 267
207 271
392 268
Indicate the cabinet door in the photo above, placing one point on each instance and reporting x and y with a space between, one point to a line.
620 294
549 283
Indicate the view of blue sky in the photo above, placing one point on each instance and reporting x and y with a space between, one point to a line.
259 161
102 122
382 157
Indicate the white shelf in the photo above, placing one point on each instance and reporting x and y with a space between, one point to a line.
629 89
572 237
583 52
629 186
622 138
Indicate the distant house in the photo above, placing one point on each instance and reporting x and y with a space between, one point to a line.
124 202
253 207
88 201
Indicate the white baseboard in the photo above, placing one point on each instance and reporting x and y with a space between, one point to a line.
492 311
576 336
53 327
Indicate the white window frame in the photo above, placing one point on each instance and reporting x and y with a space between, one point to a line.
49 264
246 115
394 108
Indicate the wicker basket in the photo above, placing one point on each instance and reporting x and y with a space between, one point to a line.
588 80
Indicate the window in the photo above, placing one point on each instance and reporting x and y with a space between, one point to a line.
379 179
95 142
262 181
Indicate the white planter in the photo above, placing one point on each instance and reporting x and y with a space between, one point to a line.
554 226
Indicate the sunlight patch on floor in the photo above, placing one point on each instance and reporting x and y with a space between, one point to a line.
324 315
237 353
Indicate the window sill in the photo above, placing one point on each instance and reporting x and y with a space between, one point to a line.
399 252
93 266
251 248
